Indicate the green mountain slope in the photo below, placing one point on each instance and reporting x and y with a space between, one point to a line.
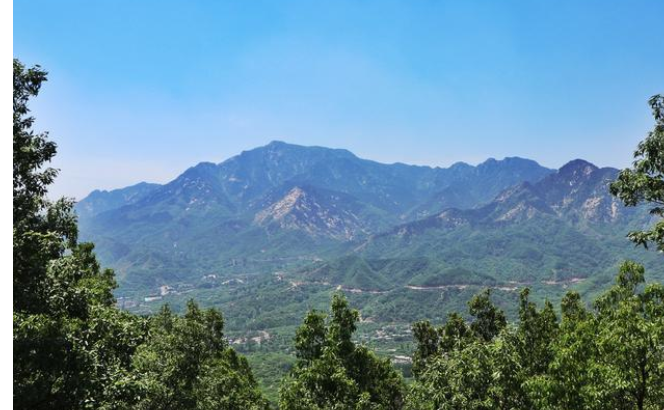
566 227
274 206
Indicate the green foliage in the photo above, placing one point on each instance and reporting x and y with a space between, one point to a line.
644 182
459 379
70 345
608 357
310 337
186 364
427 345
72 348
630 343
332 372
489 320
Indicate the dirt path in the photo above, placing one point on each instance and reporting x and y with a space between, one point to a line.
507 287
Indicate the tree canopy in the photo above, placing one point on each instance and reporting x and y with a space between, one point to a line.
644 182
333 372
607 357
72 348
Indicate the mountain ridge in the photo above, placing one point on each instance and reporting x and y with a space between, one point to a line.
230 166
284 202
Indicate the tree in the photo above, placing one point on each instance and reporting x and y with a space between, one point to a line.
427 345
430 342
73 349
310 337
489 320
455 333
644 182
41 229
332 372
523 353
630 341
570 380
537 329
186 363
453 364
69 344
459 379
609 357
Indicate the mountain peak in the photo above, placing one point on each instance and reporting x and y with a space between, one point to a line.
518 160
103 200
514 161
276 144
460 165
280 147
200 170
578 166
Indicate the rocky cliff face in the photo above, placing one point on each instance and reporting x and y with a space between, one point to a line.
317 214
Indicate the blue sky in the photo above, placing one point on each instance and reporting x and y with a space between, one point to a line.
141 90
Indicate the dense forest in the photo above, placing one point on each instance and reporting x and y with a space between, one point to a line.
74 349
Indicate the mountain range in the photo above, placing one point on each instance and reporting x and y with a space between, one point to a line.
325 215
270 233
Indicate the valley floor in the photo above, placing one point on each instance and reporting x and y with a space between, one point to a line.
263 311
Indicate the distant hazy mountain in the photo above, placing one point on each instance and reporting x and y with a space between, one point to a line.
242 182
577 192
283 202
466 186
564 227
102 201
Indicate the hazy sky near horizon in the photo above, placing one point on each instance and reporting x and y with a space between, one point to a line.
141 90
